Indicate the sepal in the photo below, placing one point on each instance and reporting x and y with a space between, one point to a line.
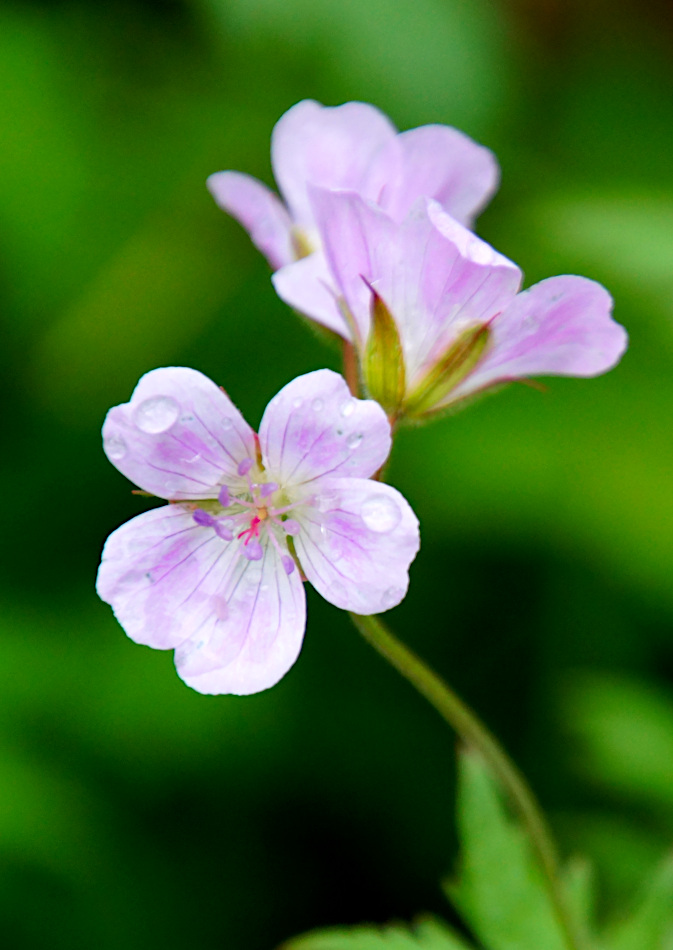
383 366
457 362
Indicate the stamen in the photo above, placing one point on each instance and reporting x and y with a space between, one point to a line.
244 466
288 563
223 497
268 488
281 511
223 529
290 526
203 518
253 551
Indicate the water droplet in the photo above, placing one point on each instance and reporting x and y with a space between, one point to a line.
347 408
226 423
298 403
220 607
354 440
156 414
391 597
317 405
325 501
115 447
380 513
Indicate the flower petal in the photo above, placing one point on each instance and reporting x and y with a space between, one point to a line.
238 624
160 572
313 427
433 161
435 276
259 210
328 146
559 327
308 287
356 544
257 635
179 437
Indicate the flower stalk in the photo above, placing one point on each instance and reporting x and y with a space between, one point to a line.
474 733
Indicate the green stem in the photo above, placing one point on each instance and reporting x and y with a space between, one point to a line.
461 718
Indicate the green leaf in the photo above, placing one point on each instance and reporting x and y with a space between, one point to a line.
623 731
451 369
383 365
650 926
425 934
500 890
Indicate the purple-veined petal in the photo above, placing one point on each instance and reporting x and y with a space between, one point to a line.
327 146
313 427
237 624
259 210
435 276
258 634
308 287
561 326
179 436
160 572
356 543
433 161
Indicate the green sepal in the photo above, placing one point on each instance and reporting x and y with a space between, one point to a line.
383 364
457 362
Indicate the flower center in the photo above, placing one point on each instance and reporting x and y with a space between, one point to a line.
260 513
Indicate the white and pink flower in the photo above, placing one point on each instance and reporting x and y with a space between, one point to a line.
354 147
463 323
216 575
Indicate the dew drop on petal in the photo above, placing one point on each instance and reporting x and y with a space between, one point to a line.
298 403
354 440
347 408
380 513
317 405
156 414
226 423
115 447
391 597
220 607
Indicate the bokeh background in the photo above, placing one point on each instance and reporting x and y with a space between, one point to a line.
135 813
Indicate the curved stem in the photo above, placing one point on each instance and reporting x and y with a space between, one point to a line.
468 726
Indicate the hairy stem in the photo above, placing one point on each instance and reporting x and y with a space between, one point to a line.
468 726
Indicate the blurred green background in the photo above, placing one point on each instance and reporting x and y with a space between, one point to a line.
136 813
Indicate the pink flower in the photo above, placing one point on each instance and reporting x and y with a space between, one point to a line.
456 309
213 574
355 147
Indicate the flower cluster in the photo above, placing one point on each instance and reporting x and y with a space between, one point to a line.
435 313
371 241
